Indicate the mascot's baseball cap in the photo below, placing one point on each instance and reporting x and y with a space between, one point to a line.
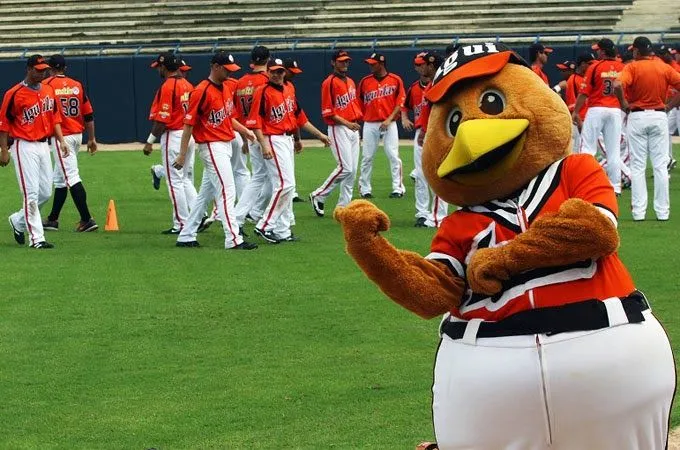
375 58
168 60
259 55
450 49
57 62
641 43
292 65
566 65
184 67
471 61
276 64
584 57
225 60
340 55
603 44
37 62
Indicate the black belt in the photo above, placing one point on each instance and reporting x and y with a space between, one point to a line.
289 133
641 109
580 316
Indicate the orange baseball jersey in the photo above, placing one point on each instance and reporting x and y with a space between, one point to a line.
245 90
172 102
339 98
598 83
574 83
646 82
425 108
671 91
538 70
498 222
75 106
211 107
29 114
379 97
275 110
414 100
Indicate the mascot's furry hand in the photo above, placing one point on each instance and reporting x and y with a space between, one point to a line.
427 288
577 232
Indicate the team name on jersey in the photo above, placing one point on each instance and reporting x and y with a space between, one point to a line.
278 112
467 51
185 97
342 101
216 117
610 74
67 91
32 112
382 91
248 90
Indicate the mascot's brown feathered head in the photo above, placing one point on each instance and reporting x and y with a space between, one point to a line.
494 125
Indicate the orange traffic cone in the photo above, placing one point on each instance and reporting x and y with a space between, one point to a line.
111 218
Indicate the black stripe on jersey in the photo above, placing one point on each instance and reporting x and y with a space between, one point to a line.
497 218
545 195
600 205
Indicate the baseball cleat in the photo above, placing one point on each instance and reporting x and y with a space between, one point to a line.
396 195
86 227
291 238
244 246
170 231
205 223
190 244
51 225
19 236
317 205
367 195
250 219
268 236
42 244
298 199
155 179
672 163
420 222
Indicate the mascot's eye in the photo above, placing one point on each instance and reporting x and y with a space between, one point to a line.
455 118
492 102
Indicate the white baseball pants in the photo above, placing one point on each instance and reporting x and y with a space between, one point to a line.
189 162
372 136
258 187
608 122
345 150
239 165
673 127
34 174
432 213
217 184
625 153
609 389
66 173
179 182
648 136
576 139
281 174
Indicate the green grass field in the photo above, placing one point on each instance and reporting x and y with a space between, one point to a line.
120 340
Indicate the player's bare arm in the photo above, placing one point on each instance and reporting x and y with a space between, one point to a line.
267 152
157 130
580 101
390 119
183 146
674 102
60 139
618 91
297 144
315 131
243 131
91 139
4 151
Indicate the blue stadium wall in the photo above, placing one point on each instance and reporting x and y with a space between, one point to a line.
121 88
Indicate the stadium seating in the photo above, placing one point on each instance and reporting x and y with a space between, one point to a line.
117 27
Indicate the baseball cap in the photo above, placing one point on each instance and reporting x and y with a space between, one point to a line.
37 62
276 64
225 60
168 60
566 65
627 56
259 55
584 57
292 65
603 44
540 48
375 58
429 58
57 62
340 55
641 43
184 67
663 49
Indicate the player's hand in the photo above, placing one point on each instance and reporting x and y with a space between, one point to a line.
64 148
326 141
407 124
624 105
354 126
385 125
4 158
179 162
92 146
244 149
148 148
297 146
267 152
421 138
250 136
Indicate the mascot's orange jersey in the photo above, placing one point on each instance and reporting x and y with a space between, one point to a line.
495 223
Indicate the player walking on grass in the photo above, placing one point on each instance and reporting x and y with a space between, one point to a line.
77 116
645 82
381 96
571 93
274 116
341 111
30 115
210 119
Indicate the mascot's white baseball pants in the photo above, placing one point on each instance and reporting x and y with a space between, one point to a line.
281 169
66 173
607 121
609 389
181 189
439 209
258 189
648 137
345 150
372 135
217 184
34 174
239 165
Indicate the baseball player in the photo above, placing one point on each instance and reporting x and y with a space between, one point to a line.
381 96
538 55
259 189
426 64
604 109
209 117
571 92
77 116
566 69
341 111
171 103
645 82
30 115
239 163
274 116
667 55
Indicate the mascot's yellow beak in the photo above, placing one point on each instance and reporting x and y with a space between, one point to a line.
484 145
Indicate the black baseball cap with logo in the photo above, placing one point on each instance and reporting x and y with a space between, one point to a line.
276 64
168 60
584 57
57 62
641 43
292 65
340 55
566 65
433 58
37 62
376 58
603 44
225 60
259 55
663 49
